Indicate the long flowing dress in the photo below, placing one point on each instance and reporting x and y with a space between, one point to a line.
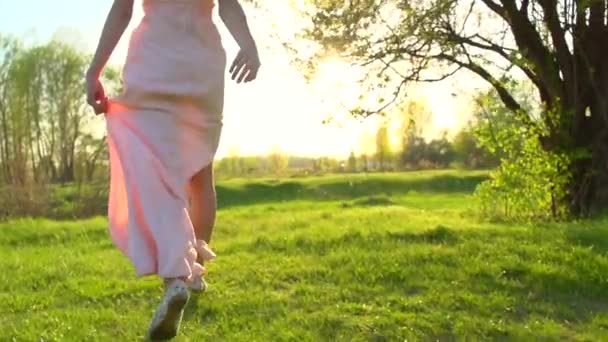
163 128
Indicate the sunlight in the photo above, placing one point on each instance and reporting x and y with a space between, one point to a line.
281 107
386 174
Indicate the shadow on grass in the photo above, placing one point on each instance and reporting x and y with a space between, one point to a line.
370 202
206 312
595 237
550 286
372 241
66 202
344 189
559 296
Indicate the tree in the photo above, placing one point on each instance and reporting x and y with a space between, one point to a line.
8 49
439 152
415 115
352 162
43 113
529 181
414 152
383 147
365 162
90 151
468 151
278 161
367 148
553 44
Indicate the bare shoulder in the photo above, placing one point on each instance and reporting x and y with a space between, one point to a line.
124 7
124 3
228 2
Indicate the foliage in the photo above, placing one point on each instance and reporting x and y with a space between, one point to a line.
325 164
552 44
469 152
415 152
44 120
530 182
278 161
440 152
352 162
383 148
277 164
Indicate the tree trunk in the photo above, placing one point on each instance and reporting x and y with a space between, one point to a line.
589 132
5 147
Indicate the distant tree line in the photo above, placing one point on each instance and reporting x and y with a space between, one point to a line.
45 133
54 163
414 152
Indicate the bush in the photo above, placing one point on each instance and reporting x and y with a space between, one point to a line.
24 201
54 201
527 186
530 182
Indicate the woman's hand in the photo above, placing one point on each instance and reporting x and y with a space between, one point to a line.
246 65
117 21
96 95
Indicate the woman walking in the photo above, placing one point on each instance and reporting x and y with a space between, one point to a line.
163 133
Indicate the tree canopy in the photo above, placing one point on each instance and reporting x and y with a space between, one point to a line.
552 44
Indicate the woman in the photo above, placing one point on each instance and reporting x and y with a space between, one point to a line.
163 132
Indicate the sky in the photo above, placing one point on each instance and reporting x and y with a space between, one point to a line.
280 109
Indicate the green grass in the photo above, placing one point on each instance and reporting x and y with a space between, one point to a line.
338 258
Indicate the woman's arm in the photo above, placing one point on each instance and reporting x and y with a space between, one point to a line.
116 23
233 16
247 62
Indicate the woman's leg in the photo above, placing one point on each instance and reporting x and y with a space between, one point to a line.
203 203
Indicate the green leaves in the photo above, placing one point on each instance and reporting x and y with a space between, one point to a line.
43 113
530 183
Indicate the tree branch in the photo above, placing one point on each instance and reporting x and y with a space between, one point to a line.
563 54
502 91
533 48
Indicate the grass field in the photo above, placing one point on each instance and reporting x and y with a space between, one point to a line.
389 257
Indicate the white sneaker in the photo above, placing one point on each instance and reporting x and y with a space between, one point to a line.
168 316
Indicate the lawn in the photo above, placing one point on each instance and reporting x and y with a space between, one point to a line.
382 257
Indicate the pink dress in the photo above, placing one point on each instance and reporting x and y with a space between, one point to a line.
163 128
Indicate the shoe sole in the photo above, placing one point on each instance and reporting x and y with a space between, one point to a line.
169 321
